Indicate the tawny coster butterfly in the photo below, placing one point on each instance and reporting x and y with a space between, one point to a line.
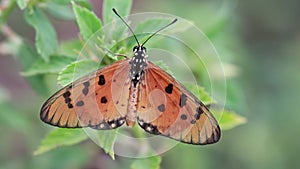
133 90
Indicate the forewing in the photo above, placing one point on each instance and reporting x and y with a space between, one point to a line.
167 108
97 100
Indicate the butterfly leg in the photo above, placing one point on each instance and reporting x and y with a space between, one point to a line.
117 54
111 52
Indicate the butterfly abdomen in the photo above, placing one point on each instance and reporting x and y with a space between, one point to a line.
132 110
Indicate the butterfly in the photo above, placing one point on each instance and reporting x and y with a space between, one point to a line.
133 90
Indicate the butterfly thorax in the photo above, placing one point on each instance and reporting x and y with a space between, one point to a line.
138 63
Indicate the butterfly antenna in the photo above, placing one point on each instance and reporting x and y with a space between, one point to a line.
159 31
115 11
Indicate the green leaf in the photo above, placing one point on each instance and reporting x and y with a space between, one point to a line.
22 51
118 28
26 55
60 11
64 2
13 118
200 93
75 70
45 38
87 21
147 163
38 83
83 3
61 2
122 6
22 4
229 119
70 48
61 137
55 65
107 140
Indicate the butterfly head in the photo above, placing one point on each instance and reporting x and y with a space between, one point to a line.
138 61
139 48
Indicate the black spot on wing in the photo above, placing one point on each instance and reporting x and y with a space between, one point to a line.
86 84
68 100
193 121
80 103
197 116
103 100
70 106
67 94
101 80
85 90
183 117
199 111
161 108
183 99
169 88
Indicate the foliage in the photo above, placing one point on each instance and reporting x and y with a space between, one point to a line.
49 57
61 137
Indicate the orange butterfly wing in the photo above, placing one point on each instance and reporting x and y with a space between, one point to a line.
96 100
167 108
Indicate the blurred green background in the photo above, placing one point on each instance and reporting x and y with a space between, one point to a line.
262 38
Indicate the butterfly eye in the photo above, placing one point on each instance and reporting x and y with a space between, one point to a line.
144 48
135 48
